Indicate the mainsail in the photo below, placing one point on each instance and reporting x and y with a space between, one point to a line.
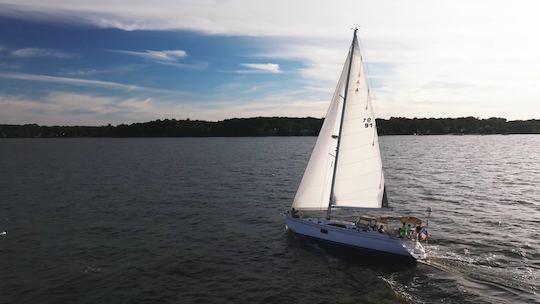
359 179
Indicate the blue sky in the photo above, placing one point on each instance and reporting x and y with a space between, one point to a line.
177 62
40 58
71 62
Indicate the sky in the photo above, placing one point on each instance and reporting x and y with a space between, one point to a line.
65 62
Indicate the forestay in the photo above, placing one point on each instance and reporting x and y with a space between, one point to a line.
359 178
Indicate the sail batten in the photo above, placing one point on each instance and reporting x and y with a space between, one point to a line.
359 180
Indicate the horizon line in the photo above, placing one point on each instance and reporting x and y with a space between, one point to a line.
255 117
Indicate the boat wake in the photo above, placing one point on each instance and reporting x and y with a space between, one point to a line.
486 276
400 290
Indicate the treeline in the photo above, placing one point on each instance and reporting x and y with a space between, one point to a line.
274 126
259 126
462 125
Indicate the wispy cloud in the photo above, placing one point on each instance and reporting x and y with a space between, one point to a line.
82 82
260 68
167 55
61 108
190 66
119 69
71 108
6 65
41 53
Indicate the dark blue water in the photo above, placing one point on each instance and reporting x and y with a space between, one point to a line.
198 220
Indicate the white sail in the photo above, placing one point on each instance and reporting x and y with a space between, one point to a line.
359 176
314 190
359 180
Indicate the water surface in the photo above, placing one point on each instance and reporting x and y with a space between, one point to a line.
198 220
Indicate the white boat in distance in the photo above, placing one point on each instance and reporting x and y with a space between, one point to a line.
345 172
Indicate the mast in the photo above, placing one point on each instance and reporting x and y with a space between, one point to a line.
329 210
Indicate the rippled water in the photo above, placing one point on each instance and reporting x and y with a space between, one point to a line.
188 220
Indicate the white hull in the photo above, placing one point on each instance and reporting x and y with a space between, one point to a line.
352 237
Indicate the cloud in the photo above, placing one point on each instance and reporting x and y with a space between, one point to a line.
189 66
261 68
66 108
166 56
424 41
82 82
41 53
6 65
119 69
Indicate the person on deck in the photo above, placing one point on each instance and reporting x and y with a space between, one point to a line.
418 229
381 229
294 213
403 231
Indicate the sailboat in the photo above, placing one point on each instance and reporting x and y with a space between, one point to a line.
345 172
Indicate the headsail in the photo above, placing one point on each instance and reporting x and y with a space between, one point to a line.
359 180
314 190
